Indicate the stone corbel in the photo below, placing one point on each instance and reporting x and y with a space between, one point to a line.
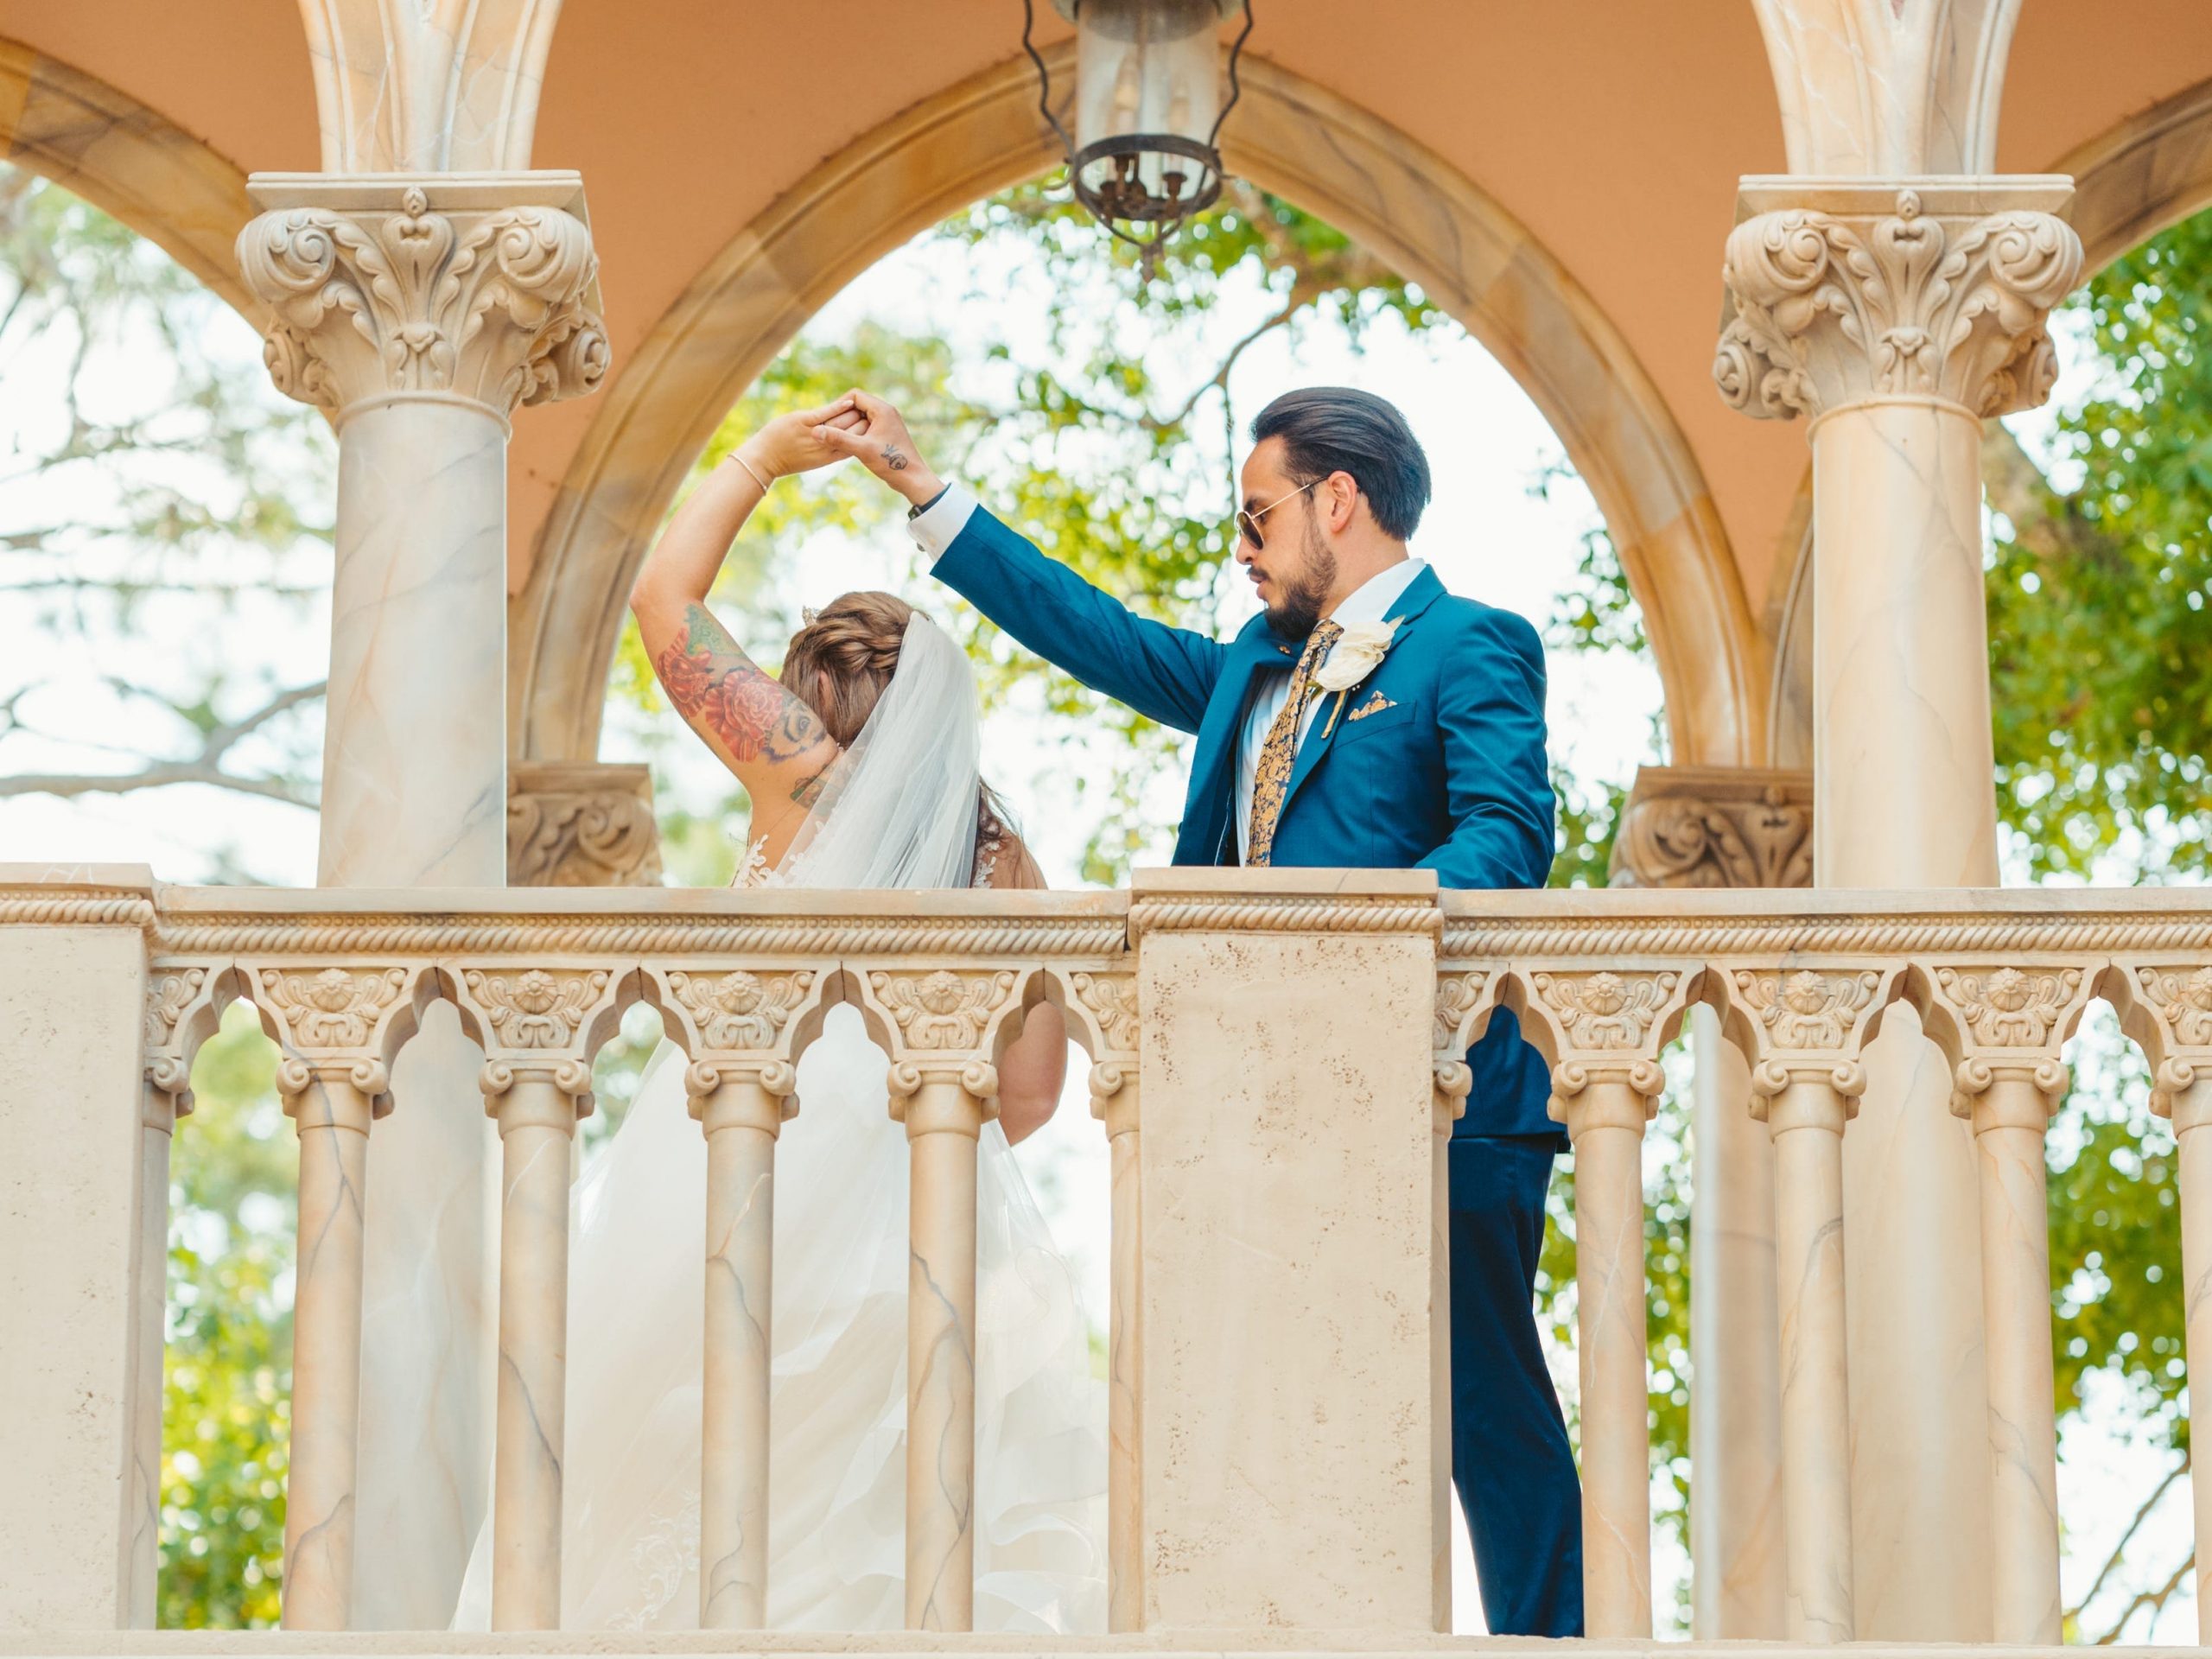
942 1026
1715 827
2165 1006
581 825
184 1007
1804 1022
477 288
338 1022
2004 1022
1466 995
1102 1013
542 1024
1602 1026
744 1027
1844 291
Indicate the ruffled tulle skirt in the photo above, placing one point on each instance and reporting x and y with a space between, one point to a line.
838 1391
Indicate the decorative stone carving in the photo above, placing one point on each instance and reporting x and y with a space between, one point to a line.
1806 1022
740 1010
336 1022
581 826
2167 1009
1464 1001
2005 1020
942 1010
1848 292
184 1004
538 1022
440 288
1715 827
1602 1026
1104 1008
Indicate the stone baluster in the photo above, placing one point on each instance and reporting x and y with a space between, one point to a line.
1465 996
338 1027
1602 1031
940 1026
539 1027
2166 1005
2002 1025
741 1030
1897 314
1801 1027
184 1006
1102 1013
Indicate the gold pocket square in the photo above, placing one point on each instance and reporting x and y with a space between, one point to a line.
1375 705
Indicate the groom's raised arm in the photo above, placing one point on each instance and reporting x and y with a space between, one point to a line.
1164 673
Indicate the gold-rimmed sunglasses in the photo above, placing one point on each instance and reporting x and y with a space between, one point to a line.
1248 522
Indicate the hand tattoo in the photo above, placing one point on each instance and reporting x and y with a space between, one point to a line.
893 458
724 696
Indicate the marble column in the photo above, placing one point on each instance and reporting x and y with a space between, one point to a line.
1706 828
2002 1025
741 1115
339 1025
1897 315
1114 1103
1803 1024
1602 1031
539 1028
419 313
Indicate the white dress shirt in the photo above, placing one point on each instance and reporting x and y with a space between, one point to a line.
939 526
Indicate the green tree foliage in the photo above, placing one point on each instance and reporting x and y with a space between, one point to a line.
2100 639
225 1419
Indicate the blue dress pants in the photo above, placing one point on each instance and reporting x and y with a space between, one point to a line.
1509 1456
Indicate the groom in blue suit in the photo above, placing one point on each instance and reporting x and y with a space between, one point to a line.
1421 715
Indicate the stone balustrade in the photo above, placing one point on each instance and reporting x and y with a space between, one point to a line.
1277 1057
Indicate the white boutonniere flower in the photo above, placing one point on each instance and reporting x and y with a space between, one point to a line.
1359 651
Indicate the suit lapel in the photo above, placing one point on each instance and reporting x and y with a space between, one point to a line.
1205 818
1422 592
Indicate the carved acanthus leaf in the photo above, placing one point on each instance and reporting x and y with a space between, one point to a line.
1806 1011
1111 1001
597 838
1685 841
1606 1011
536 1009
1460 997
334 1011
1833 308
2181 999
942 1011
2007 1009
740 1012
487 305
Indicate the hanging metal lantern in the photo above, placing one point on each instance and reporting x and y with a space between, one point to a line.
1148 109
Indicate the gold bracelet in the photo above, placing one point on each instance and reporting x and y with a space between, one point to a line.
749 473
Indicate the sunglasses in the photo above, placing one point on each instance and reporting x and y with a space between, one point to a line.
1248 522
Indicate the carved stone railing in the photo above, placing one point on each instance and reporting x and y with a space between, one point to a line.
1277 1058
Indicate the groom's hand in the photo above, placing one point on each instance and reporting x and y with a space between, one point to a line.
884 446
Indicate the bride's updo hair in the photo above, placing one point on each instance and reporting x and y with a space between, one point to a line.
841 661
840 664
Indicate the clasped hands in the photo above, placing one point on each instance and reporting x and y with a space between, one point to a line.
857 427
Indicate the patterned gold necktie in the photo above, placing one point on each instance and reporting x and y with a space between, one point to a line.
1272 778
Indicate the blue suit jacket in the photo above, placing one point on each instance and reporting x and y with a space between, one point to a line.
1451 776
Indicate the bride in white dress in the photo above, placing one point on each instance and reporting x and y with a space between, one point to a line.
861 763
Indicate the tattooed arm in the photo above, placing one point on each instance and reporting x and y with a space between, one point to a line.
762 733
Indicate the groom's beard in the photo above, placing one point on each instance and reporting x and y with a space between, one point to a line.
1295 614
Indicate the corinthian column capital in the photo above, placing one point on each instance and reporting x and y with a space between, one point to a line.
1843 292
482 288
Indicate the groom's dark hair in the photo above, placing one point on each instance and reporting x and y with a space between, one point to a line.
1336 429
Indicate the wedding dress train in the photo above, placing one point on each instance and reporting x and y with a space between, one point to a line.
898 810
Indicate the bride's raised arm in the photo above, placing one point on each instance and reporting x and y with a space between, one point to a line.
761 732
